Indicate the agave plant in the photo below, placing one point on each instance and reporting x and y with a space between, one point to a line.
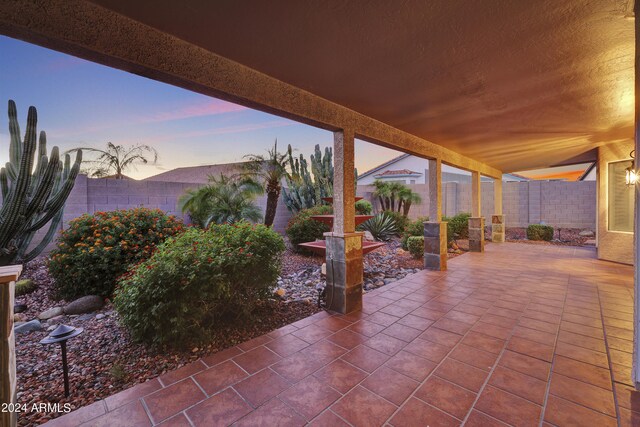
382 227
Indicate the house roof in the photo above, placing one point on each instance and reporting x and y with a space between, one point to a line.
586 172
401 172
383 165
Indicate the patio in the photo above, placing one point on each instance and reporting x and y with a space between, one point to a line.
517 335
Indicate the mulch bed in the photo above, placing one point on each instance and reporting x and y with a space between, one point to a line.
103 360
561 237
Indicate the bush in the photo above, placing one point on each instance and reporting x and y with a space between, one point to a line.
415 244
96 249
25 286
363 207
414 228
400 220
539 232
382 227
457 226
301 228
198 280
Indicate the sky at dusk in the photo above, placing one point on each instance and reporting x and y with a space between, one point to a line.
81 103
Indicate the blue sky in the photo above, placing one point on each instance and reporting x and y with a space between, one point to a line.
85 104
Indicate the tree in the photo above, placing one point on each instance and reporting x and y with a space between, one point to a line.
224 200
116 159
407 197
270 170
388 193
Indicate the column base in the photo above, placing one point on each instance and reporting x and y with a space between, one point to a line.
344 272
435 246
497 228
8 276
476 234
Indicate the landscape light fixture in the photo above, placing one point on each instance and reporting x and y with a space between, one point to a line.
60 335
631 176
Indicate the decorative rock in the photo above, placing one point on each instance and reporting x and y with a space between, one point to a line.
587 233
100 316
52 312
87 316
31 326
19 318
56 319
85 304
51 328
368 236
19 308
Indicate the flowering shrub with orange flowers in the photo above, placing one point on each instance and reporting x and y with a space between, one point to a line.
96 249
197 280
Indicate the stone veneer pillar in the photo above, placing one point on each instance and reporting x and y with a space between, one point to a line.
344 272
8 276
435 245
476 234
497 228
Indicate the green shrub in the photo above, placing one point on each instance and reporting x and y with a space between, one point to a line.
363 207
96 249
198 280
457 226
415 244
539 232
301 228
414 228
400 220
25 286
382 227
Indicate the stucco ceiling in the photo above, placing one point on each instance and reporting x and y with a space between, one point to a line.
515 84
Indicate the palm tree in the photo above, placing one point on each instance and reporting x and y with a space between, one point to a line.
382 192
406 198
270 170
116 159
223 200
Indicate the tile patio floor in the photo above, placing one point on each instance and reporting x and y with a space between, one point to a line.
523 335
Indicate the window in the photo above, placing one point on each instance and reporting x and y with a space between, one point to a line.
620 198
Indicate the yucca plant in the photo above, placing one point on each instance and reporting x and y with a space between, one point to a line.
34 190
382 227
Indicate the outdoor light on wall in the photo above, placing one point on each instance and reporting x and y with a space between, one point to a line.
631 176
60 335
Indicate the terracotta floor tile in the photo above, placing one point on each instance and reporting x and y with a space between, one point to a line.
517 383
286 345
360 407
531 348
285 330
365 358
629 418
251 344
561 412
492 330
584 372
385 344
483 342
427 349
311 333
415 322
582 320
470 309
333 323
182 373
628 397
273 413
129 415
525 364
328 419
324 351
620 344
582 329
428 313
474 357
534 335
505 322
221 409
132 394
582 354
440 336
621 374
461 316
390 384
620 357
173 399
405 333
479 419
451 325
588 395
260 387
502 405
220 376
347 339
297 366
624 334
80 415
397 310
415 367
257 359
179 420
461 374
310 397
596 344
446 396
504 312
366 328
221 356
340 375
545 317
539 325
383 319
416 413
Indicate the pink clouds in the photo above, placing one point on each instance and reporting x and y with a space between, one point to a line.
222 130
208 108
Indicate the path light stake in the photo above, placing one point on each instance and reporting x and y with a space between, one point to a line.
60 335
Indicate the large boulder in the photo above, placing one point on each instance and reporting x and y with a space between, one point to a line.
52 312
85 304
31 326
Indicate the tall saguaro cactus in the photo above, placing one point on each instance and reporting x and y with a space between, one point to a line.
33 195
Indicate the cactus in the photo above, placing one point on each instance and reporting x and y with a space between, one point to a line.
32 196
304 190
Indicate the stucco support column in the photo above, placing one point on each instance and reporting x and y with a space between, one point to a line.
635 370
8 276
435 230
497 219
476 222
344 244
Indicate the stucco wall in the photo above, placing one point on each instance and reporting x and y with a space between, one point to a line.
612 245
